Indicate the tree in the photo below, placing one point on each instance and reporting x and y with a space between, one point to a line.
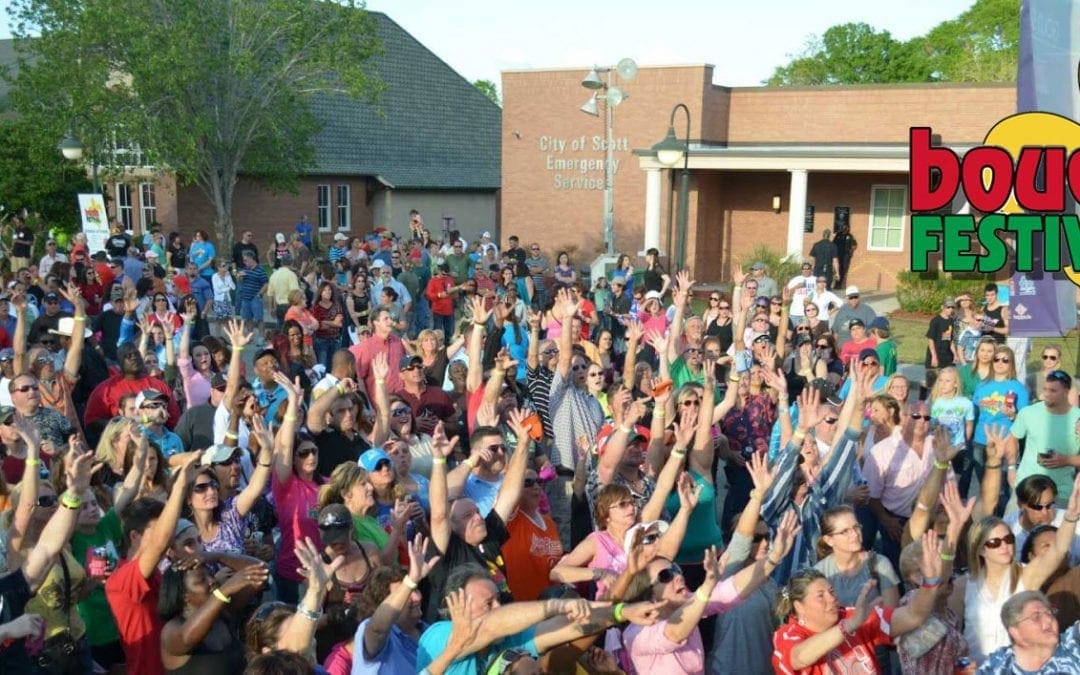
489 89
980 45
211 88
36 177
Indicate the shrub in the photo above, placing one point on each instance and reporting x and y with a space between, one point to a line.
781 268
923 293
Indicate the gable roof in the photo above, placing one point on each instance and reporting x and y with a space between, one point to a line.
431 128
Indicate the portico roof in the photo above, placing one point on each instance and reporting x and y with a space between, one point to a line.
835 157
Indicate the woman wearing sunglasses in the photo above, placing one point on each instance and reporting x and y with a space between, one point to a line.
998 399
994 575
350 484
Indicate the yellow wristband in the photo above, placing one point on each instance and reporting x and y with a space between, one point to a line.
341 388
438 460
221 596
659 413
947 557
940 466
238 348
701 595
617 612
409 583
70 501
231 436
756 494
33 462
80 318
291 418
471 462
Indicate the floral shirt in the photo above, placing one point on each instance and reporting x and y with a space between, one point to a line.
1064 661
751 425
944 653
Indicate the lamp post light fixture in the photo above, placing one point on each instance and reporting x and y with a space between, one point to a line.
612 97
668 152
72 149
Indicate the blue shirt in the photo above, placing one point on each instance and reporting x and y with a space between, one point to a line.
398 654
203 291
269 399
304 230
202 252
254 279
482 492
989 398
170 443
436 637
1064 661
133 268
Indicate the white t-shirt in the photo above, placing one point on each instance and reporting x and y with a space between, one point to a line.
824 300
803 288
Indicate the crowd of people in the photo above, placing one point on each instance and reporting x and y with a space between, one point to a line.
402 454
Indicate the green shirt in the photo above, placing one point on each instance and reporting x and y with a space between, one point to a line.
367 528
94 608
886 353
680 375
1045 431
702 531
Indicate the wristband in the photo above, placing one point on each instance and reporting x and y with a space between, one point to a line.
941 466
290 418
80 318
238 348
70 501
734 378
471 462
33 462
617 613
1067 519
774 563
784 411
341 388
308 614
756 494
1014 467
659 413
438 460
798 436
231 436
993 466
921 506
217 593
625 430
409 583
932 582
678 451
947 557
701 595
266 465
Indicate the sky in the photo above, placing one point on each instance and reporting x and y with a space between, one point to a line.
745 40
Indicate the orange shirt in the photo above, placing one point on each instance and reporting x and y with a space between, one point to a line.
530 553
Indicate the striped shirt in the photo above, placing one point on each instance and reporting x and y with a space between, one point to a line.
538 381
254 279
574 412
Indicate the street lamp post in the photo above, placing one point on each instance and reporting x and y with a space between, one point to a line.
72 148
668 152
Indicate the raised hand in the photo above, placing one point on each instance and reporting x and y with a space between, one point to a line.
480 314
634 331
534 318
312 567
763 478
19 302
996 436
235 331
863 606
930 566
776 380
253 576
958 510
292 387
131 300
441 446
658 341
641 614
505 362
944 450
785 534
714 564
72 294
686 428
80 466
380 368
689 492
418 567
464 627
738 275
809 408
485 415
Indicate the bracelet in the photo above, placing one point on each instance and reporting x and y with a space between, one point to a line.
947 557
1067 519
341 388
921 506
625 430
290 418
774 563
798 436
932 582
33 462
659 413
734 378
756 494
471 462
238 348
231 436
221 596
409 583
308 614
783 411
438 460
71 501
1014 467
80 318
266 465
993 466
678 451
941 466
702 596
617 612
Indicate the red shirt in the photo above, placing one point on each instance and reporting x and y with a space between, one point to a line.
13 467
850 349
433 399
133 600
365 353
854 655
586 310
104 401
442 306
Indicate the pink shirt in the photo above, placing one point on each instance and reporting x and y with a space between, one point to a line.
895 473
651 651
609 556
297 509
656 324
365 353
196 386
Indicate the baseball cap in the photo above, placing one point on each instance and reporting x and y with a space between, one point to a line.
855 322
409 361
279 238
151 253
148 396
659 526
218 381
881 323
486 235
851 290
335 524
949 301
340 237
66 326
869 353
181 525
52 297
7 354
219 452
371 458
653 295
758 266
377 264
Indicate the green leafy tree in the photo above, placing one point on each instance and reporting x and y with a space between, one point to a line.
211 89
489 89
36 177
981 45
852 53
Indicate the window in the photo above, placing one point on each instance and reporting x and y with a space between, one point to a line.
887 214
147 204
123 206
323 206
344 222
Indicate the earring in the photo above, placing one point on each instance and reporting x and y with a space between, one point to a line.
800 621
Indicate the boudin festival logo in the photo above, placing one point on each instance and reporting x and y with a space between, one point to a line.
1019 178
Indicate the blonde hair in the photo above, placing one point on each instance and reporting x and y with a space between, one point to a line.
343 478
935 393
910 557
1005 349
978 533
795 591
106 447
296 297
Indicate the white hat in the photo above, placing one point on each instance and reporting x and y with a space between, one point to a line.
377 264
486 235
66 326
851 290
279 238
653 295
151 253
628 540
219 452
340 237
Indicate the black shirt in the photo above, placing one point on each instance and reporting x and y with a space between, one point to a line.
117 245
238 253
108 323
940 332
23 242
178 257
823 253
488 555
335 448
196 427
15 593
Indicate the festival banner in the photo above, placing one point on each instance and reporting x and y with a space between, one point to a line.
95 222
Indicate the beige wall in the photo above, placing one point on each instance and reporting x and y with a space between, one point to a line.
473 212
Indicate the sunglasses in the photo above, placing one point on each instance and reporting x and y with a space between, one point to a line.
917 416
25 388
996 542
775 302
1041 507
401 412
692 350
759 537
690 402
579 368
650 539
153 406
268 609
723 306
830 420
226 462
47 501
1002 359
714 299
823 346
304 452
1058 376
666 576
382 464
802 329
1049 357
530 482
550 352
498 447
870 362
200 488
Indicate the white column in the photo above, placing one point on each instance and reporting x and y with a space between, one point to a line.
652 209
796 212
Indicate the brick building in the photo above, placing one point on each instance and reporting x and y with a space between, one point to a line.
758 157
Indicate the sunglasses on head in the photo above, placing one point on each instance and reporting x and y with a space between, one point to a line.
268 609
666 576
200 488
996 542
1058 376
233 459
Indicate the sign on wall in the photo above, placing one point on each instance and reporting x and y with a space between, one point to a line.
573 164
95 222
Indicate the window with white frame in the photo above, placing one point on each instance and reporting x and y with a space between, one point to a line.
344 220
147 204
322 204
887 215
124 211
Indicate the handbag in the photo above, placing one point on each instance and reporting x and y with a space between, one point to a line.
62 654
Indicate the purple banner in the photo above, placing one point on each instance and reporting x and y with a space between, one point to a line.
1038 307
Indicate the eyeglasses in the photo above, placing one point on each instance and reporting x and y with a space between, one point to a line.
996 542
530 482
25 388
870 362
690 402
47 501
1002 359
598 373
714 299
415 366
226 462
775 302
856 528
304 452
534 248
692 350
823 345
1041 507
200 488
668 575
579 367
1049 613
622 504
1049 357
723 306
550 352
